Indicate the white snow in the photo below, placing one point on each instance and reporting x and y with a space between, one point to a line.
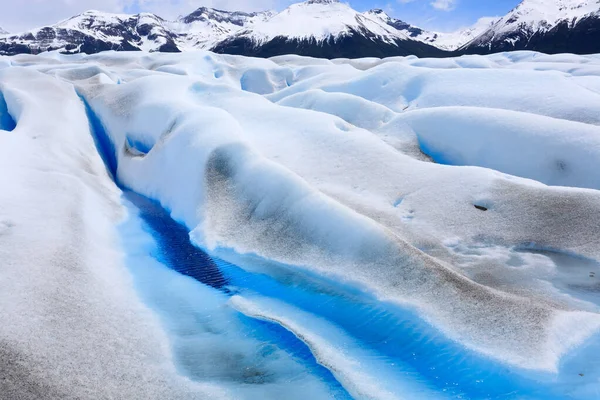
315 168
544 14
509 141
315 20
442 40
319 20
322 178
93 18
71 324
202 33
456 39
309 20
531 16
205 33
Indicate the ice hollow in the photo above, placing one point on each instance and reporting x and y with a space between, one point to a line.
417 182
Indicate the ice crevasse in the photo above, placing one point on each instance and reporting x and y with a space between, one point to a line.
462 191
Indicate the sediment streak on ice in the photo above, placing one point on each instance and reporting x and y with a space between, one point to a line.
312 164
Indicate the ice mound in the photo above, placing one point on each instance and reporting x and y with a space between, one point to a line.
303 189
71 326
422 183
509 141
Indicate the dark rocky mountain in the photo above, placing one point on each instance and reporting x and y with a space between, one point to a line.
325 29
442 40
95 31
354 45
319 28
92 32
205 14
548 26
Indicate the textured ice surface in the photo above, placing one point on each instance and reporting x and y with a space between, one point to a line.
71 326
362 228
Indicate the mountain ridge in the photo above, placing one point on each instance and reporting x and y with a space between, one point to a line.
550 26
323 28
318 28
444 40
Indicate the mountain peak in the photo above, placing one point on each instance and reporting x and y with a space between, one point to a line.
238 18
320 20
332 27
552 11
321 1
543 25
378 13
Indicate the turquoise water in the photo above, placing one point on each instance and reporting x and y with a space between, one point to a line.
189 290
399 337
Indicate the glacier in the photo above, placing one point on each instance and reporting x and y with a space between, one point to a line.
208 226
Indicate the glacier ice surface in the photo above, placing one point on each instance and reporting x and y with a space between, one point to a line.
352 228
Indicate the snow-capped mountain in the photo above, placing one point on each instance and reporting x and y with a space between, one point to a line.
454 40
206 26
321 28
549 26
324 28
443 40
318 28
95 31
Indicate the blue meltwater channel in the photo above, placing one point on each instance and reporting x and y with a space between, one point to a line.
190 291
399 337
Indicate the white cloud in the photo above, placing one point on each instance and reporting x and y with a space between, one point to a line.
20 15
26 14
444 5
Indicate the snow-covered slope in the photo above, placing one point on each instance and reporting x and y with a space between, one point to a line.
203 28
323 28
454 40
319 20
71 325
95 31
389 229
443 40
550 26
319 28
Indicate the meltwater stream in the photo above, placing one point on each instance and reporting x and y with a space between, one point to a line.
261 357
294 336
211 341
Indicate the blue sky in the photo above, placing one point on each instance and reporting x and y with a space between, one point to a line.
444 15
458 14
